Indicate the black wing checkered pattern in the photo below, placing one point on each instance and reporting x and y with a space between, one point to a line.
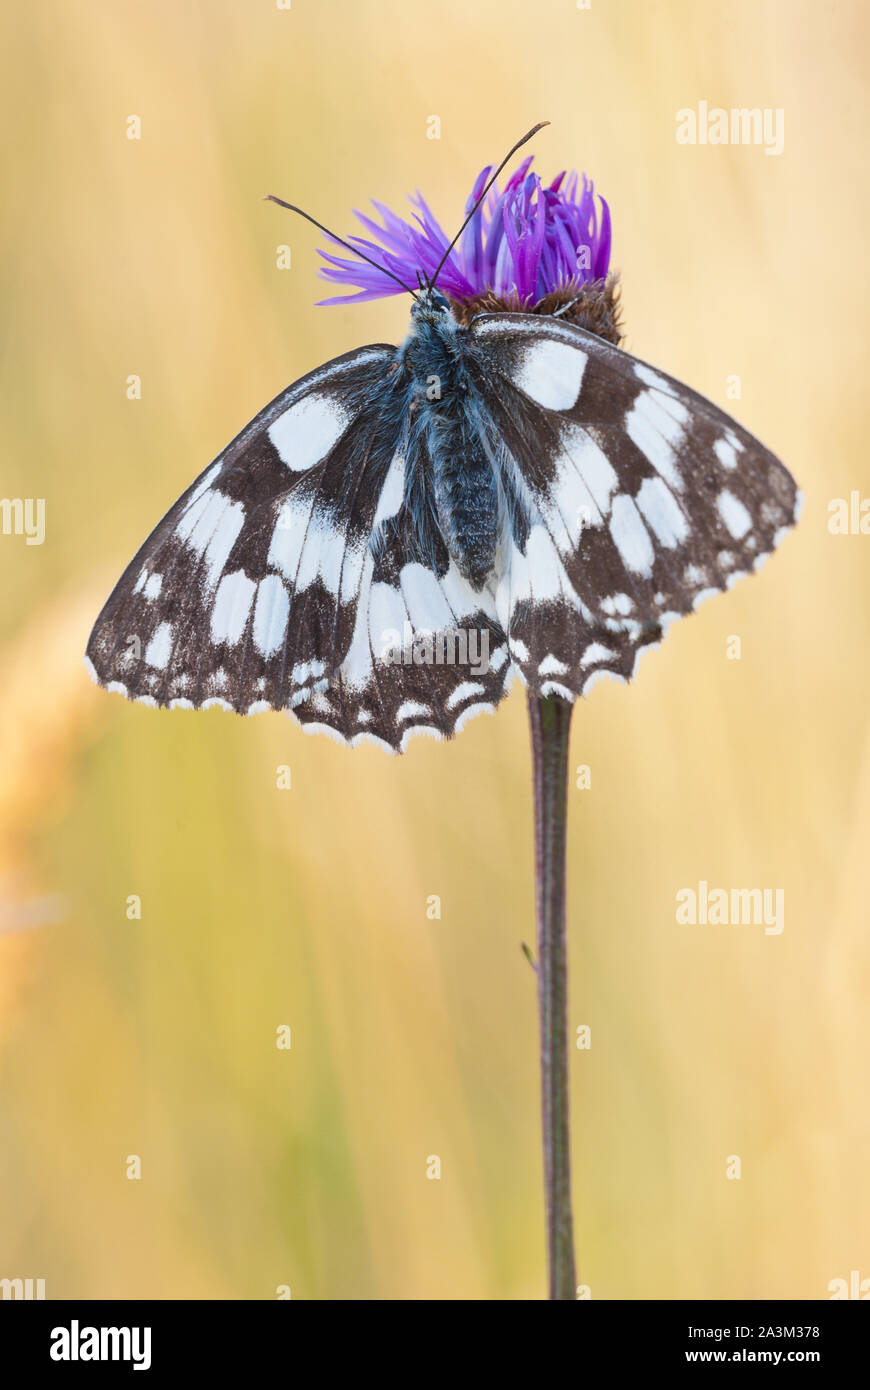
262 588
642 499
308 569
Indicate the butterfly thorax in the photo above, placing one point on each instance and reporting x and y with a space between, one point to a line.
440 362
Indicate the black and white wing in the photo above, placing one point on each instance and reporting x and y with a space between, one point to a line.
289 576
640 499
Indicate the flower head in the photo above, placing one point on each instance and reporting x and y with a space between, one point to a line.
523 243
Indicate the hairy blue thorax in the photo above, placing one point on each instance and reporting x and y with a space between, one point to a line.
448 420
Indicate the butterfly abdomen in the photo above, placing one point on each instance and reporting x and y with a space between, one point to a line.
466 493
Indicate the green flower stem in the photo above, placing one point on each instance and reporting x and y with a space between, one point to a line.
550 718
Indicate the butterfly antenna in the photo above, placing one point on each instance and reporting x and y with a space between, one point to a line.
534 130
270 198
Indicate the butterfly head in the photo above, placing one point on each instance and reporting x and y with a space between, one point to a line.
431 306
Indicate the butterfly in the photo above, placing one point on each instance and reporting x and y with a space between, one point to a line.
406 529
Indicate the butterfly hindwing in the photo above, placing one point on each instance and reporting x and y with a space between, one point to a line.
450 657
643 498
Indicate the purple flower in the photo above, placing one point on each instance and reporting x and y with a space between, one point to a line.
522 244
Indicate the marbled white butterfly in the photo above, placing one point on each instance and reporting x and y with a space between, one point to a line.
404 529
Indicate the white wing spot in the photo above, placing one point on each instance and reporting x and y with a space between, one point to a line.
551 373
392 492
210 527
321 556
357 665
661 511
539 572
232 604
580 495
651 378
303 671
618 603
596 651
411 709
271 615
387 614
160 647
204 483
630 536
464 692
658 431
471 712
224 538
288 537
307 431
554 688
734 514
428 609
552 666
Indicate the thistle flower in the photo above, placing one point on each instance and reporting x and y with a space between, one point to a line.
524 243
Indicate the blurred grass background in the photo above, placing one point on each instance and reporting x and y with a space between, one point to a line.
307 907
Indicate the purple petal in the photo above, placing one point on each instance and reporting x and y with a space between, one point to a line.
522 240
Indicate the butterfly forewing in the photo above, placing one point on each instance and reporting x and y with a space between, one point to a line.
292 575
242 573
644 498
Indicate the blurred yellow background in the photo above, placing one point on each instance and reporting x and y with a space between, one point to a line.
264 907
